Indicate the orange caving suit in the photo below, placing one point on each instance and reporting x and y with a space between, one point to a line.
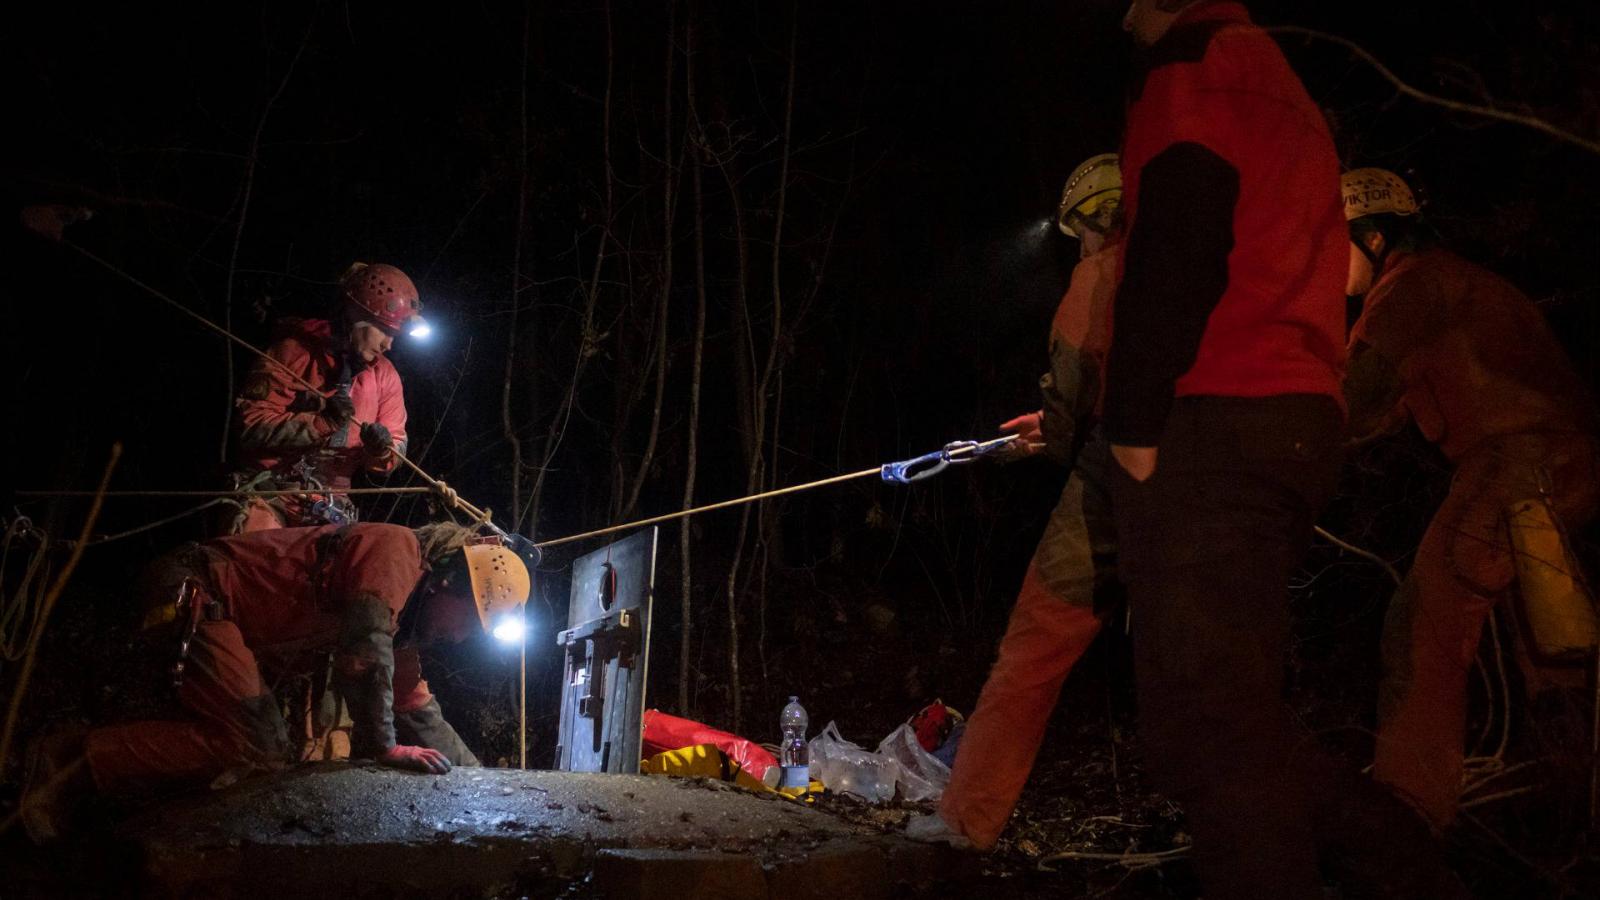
284 598
1054 620
1471 360
279 427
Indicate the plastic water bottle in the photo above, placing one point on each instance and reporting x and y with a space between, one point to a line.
794 754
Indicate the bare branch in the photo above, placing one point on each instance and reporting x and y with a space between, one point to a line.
507 423
1475 109
238 231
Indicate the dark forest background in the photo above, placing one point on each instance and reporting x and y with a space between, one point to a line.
843 211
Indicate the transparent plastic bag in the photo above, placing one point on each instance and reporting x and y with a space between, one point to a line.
845 768
921 775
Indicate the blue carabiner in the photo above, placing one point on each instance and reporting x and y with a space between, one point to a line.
930 464
908 471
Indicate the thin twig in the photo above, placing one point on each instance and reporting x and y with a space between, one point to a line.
108 538
1368 555
1128 860
49 602
1502 795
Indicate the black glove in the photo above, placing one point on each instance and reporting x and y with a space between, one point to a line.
338 408
376 439
307 401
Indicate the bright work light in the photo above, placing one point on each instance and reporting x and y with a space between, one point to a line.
510 629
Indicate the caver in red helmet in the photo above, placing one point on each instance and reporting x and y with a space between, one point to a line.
382 293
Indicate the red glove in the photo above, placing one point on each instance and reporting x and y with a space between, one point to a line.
417 759
1030 436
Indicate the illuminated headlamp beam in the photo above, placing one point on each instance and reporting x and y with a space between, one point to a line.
510 629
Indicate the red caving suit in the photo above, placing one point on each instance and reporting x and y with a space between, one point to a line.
1054 620
1471 360
287 597
279 428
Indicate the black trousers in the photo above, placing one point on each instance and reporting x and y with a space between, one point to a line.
1208 544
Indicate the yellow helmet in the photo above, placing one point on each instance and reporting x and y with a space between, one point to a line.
500 585
1094 183
1372 192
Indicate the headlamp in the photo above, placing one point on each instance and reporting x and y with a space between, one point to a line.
510 629
419 328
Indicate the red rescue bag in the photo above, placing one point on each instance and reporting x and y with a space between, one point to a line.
663 733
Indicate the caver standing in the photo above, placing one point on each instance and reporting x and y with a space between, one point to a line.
1470 359
1054 620
1223 413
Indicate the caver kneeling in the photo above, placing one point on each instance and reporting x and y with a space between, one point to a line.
257 606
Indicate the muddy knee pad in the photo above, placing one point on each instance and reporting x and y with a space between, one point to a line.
1065 558
363 671
265 734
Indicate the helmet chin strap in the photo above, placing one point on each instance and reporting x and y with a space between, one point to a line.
1377 258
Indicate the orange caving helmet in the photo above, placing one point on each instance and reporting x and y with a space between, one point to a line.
382 293
500 583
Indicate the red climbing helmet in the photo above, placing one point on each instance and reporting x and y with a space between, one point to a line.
383 294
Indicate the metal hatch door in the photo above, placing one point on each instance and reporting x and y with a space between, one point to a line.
607 647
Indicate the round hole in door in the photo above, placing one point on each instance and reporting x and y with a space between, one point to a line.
608 586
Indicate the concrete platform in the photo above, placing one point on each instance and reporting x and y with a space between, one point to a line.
368 832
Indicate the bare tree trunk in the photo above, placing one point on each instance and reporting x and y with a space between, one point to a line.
757 398
695 372
774 359
769 537
587 339
747 403
506 424
669 216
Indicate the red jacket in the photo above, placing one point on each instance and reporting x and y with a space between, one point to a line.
278 428
1461 351
296 593
1232 276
